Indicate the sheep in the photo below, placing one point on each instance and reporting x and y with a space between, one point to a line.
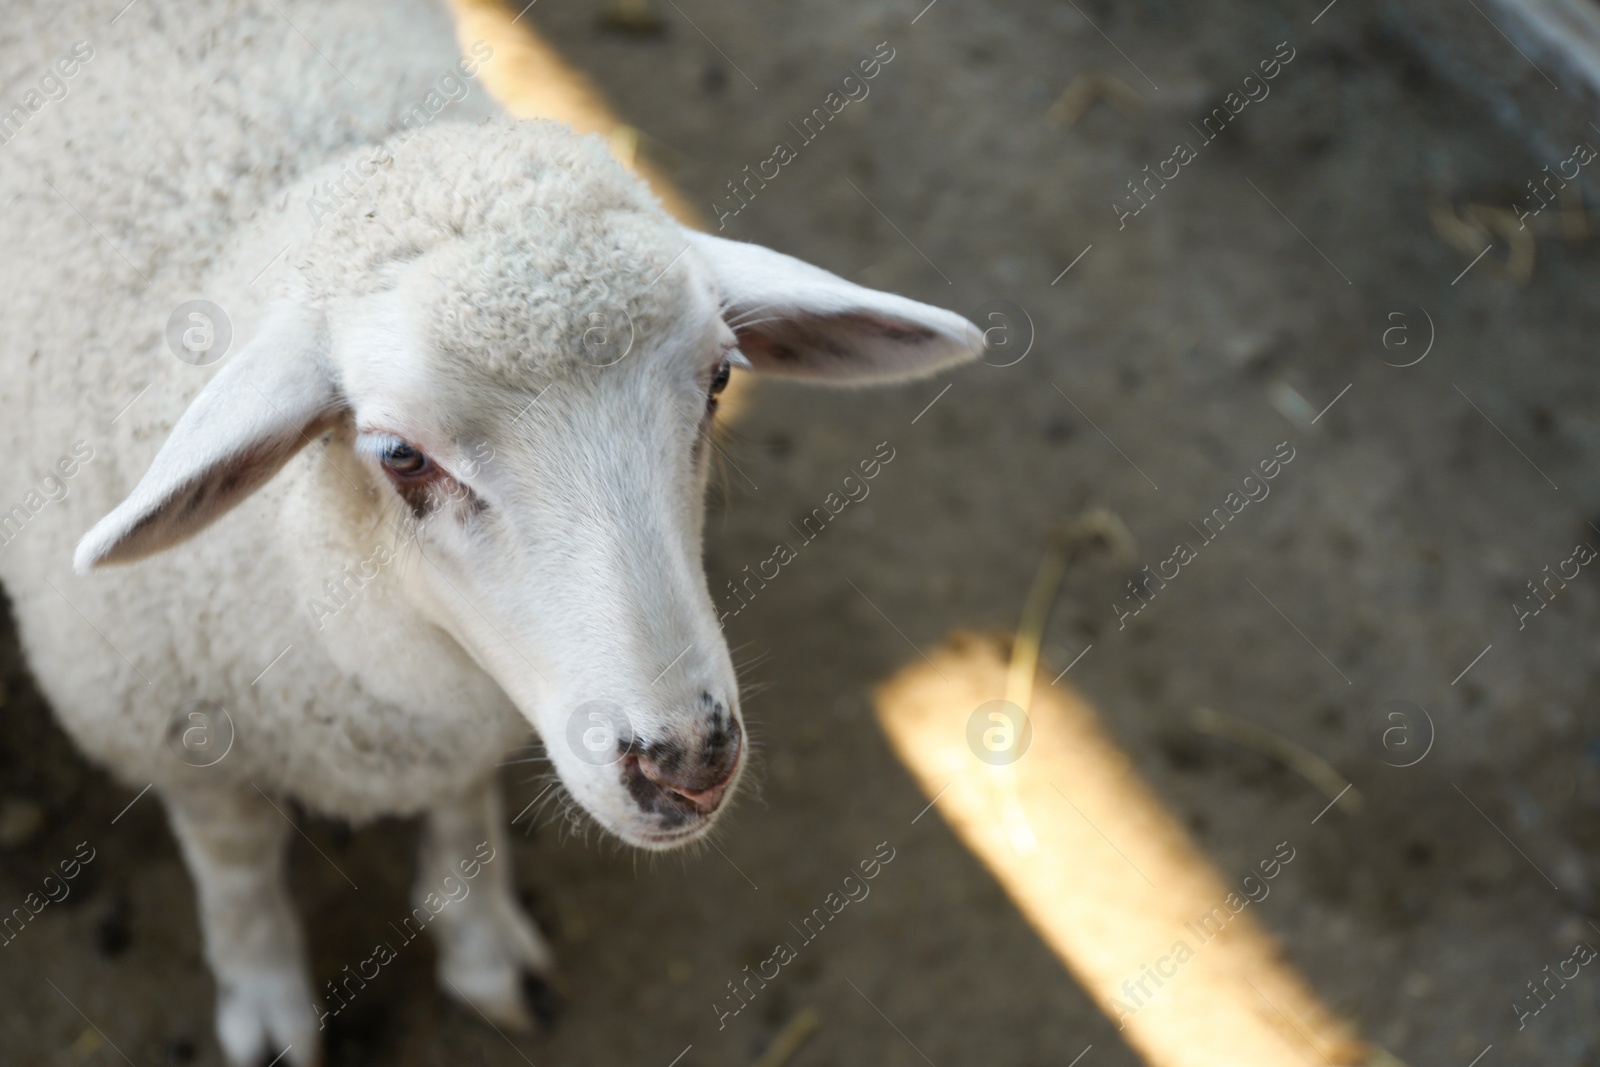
424 473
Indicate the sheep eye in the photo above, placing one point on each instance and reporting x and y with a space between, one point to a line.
719 381
404 459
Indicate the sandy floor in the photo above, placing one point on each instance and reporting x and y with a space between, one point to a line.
1199 335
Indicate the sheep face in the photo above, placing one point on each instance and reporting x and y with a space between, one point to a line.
534 403
557 516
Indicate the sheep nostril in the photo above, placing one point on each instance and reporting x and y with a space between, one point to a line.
700 790
705 801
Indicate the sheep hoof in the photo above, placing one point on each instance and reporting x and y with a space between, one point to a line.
263 1016
508 997
542 998
486 959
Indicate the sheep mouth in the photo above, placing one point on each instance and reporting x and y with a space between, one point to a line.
669 838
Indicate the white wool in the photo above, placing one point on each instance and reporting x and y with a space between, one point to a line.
179 155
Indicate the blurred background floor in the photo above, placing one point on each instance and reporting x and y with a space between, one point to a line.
1253 291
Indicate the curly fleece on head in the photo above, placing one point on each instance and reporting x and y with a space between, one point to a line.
508 237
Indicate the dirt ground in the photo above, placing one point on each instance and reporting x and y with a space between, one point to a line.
1251 293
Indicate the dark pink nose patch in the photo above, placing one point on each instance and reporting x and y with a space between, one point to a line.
679 779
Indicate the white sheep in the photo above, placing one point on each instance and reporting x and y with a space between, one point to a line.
446 483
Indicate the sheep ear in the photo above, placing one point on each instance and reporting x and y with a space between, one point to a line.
263 406
797 320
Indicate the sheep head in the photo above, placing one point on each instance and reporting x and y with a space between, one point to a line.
512 352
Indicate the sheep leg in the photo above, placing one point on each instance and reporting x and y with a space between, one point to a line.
233 842
491 955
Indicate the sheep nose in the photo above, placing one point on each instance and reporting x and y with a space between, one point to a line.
671 779
703 792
